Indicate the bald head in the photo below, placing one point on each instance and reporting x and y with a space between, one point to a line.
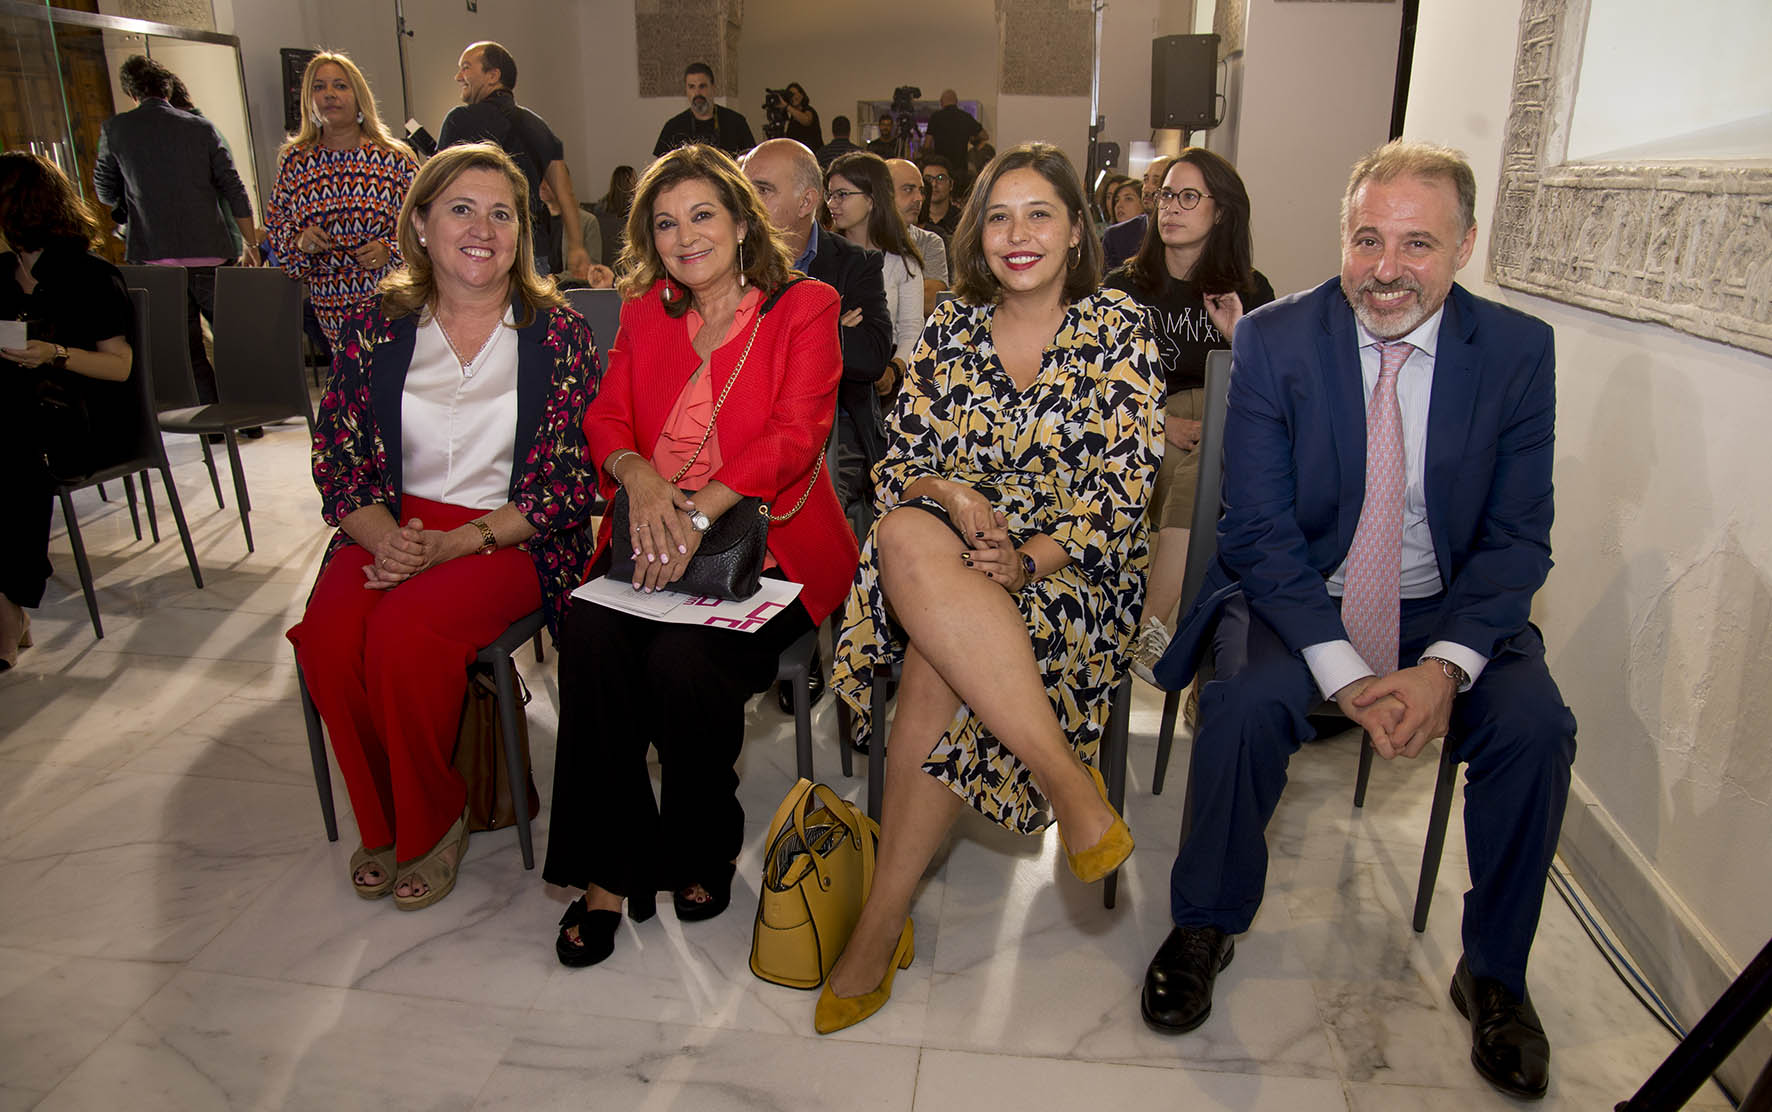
907 188
787 179
949 98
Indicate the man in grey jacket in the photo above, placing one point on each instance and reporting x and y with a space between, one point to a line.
163 172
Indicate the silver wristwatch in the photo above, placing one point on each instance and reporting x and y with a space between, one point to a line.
700 521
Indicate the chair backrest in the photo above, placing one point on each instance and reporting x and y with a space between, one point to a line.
258 340
1202 540
601 309
168 357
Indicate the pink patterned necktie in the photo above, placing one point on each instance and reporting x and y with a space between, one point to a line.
1370 608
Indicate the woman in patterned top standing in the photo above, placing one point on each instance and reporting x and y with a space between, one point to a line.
1007 565
341 179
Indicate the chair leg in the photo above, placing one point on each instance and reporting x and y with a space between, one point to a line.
538 652
178 516
317 751
240 487
509 707
845 730
1444 786
1113 761
80 564
102 496
148 500
798 682
1165 740
135 518
1365 775
877 740
214 476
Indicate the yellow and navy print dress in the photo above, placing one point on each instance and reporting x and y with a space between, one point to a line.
1073 456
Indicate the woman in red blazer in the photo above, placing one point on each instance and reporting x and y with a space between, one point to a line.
721 384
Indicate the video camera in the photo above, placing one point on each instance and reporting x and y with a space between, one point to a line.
775 106
904 120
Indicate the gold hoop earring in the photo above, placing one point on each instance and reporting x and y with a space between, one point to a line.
1076 255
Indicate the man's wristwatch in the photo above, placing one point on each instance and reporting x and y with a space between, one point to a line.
1457 675
488 541
700 520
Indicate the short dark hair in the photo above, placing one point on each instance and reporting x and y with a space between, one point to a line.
698 67
495 57
839 126
39 205
1227 261
142 77
936 160
968 267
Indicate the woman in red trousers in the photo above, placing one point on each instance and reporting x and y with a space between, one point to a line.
722 384
450 454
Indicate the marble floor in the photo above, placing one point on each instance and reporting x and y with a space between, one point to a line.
176 932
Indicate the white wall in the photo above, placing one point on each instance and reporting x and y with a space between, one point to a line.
1317 83
1658 615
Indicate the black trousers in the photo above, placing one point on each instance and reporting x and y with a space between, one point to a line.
1511 729
200 285
27 490
628 684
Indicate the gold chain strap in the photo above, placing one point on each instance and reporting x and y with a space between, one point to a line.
709 431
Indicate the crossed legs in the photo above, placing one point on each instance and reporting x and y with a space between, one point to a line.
968 644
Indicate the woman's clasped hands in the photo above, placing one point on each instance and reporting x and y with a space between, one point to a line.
986 530
401 554
664 540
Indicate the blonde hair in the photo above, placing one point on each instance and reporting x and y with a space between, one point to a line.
309 132
766 261
414 288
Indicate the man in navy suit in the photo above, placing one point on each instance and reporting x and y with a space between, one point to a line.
1339 436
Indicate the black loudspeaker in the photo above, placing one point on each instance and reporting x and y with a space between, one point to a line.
295 98
1184 82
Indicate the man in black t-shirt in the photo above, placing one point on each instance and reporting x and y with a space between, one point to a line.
490 113
951 131
839 145
704 121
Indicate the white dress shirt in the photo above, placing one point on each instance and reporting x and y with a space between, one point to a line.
458 428
904 303
1335 664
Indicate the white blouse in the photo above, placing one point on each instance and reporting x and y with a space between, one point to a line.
904 303
458 426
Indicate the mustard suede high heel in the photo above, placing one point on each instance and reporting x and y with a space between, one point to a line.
834 1012
1106 855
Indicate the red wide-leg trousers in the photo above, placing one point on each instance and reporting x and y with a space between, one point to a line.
388 670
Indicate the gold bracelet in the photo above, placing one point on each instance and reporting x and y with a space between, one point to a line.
488 539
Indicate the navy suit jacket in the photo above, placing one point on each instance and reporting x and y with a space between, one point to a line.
1295 462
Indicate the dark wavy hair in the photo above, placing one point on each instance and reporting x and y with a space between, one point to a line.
142 77
39 205
1227 262
868 172
971 271
767 263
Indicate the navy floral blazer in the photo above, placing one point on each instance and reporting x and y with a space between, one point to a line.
357 436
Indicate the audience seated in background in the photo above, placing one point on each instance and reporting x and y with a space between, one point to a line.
65 402
334 216
839 144
886 143
1122 240
862 208
786 176
165 171
612 213
941 210
708 299
704 121
1398 582
1194 273
493 519
489 113
907 187
1008 568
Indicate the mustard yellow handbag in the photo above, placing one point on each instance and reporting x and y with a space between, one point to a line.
817 869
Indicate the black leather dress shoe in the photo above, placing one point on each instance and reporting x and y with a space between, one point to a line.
1508 1045
1177 993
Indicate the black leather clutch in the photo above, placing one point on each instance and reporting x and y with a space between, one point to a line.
728 564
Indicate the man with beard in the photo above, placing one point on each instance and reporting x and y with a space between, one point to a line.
704 121
1387 514
941 210
907 194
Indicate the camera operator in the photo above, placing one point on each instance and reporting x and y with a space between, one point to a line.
803 122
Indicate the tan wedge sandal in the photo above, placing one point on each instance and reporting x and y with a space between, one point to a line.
380 859
436 870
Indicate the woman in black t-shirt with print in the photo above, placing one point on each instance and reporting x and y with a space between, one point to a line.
66 406
1194 276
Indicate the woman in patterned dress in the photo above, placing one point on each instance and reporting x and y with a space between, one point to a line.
450 453
341 179
1007 565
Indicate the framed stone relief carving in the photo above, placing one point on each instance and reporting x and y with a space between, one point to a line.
1684 244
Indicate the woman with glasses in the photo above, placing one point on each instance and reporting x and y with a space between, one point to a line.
1193 274
858 195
